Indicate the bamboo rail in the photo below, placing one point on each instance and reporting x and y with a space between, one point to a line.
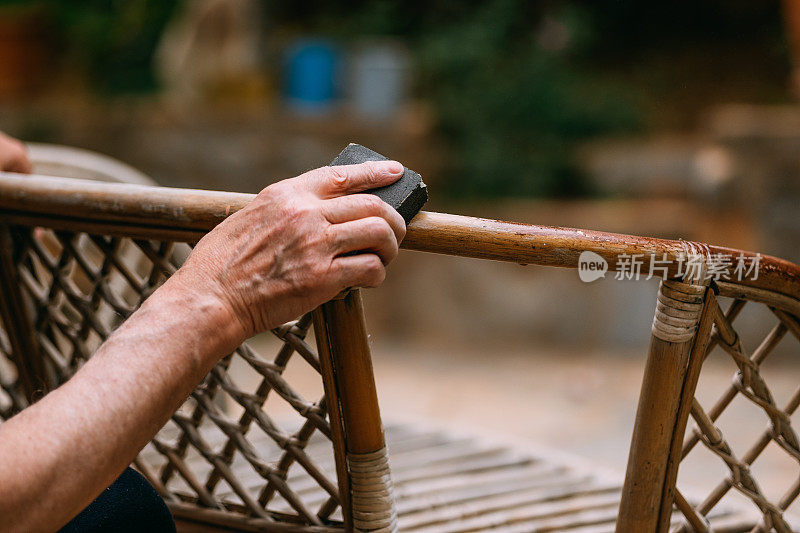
187 214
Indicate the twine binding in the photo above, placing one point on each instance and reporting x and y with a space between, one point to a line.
371 492
677 311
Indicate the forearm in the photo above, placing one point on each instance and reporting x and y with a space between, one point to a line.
291 249
59 454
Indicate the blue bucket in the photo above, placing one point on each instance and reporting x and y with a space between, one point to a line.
310 76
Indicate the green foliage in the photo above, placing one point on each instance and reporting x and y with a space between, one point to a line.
114 40
110 41
27 5
512 101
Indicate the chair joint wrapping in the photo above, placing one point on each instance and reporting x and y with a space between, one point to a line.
678 311
371 492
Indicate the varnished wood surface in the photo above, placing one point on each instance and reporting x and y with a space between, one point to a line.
329 382
186 214
689 387
652 436
343 334
125 202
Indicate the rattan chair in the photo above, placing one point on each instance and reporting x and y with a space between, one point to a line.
225 460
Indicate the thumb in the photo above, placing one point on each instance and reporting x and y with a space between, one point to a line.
329 182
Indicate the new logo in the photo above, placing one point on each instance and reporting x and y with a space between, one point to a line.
591 266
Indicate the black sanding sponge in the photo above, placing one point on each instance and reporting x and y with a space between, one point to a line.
407 195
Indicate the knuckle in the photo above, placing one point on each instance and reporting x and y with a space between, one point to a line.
296 211
266 192
323 267
373 264
273 191
394 247
389 255
385 231
315 275
370 171
330 237
304 208
372 203
337 177
376 226
375 271
389 233
335 274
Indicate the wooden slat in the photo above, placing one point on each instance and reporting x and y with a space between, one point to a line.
484 487
524 503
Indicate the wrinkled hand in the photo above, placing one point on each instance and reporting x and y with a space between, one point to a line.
13 156
288 250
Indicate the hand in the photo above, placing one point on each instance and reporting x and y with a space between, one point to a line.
290 249
13 156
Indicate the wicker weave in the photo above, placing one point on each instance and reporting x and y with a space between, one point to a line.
750 384
81 287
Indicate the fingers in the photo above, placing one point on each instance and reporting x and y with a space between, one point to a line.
357 206
362 270
371 234
329 182
19 164
13 156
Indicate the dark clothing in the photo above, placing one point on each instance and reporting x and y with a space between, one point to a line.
129 504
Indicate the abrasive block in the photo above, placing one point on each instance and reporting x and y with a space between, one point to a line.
407 195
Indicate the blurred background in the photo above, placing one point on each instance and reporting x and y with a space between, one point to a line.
671 119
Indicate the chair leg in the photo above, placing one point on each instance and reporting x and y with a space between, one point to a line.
661 417
344 352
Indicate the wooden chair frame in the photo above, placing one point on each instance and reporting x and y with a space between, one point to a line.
687 320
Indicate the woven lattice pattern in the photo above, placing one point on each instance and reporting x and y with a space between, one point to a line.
246 441
12 395
751 387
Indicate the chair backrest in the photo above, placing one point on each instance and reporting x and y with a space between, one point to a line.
71 162
689 324
78 257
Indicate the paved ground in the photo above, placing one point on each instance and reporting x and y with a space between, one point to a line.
580 403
